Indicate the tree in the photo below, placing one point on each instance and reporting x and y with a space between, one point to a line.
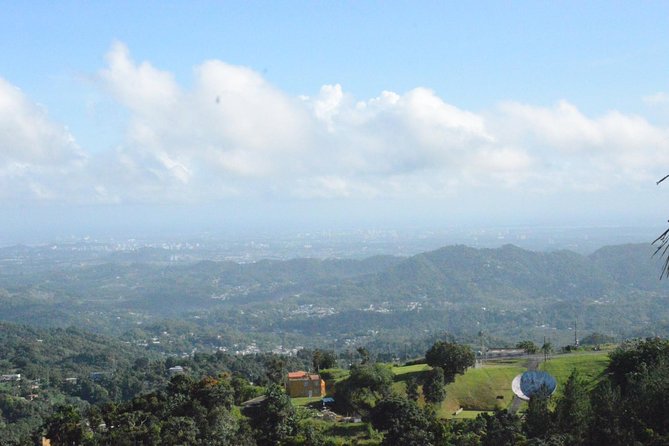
606 426
276 370
597 338
221 428
500 429
65 427
322 359
364 355
528 346
180 385
647 401
538 417
572 410
404 423
433 386
451 358
313 437
132 427
179 431
365 385
546 349
274 419
213 393
632 357
412 389
243 391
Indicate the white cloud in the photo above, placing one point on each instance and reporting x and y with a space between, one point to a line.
28 135
572 150
234 134
140 87
38 158
231 127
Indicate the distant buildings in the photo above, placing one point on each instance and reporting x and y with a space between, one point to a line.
176 370
11 377
301 383
98 376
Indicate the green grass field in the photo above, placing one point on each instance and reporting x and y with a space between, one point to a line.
334 375
482 389
475 391
401 372
590 365
304 401
468 414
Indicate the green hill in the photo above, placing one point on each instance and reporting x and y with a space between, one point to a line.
508 292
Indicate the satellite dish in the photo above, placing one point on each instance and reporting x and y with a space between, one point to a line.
530 383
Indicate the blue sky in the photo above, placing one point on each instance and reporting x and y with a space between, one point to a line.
380 113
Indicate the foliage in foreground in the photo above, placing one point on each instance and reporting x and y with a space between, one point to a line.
628 406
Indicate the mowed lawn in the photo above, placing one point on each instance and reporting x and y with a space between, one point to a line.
304 400
483 389
590 366
409 370
477 390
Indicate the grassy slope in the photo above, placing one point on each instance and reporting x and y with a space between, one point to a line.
410 370
590 366
477 389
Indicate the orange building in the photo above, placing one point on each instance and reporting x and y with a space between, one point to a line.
304 384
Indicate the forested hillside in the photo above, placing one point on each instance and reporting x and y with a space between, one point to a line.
507 292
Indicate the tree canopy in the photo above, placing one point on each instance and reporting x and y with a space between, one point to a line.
452 358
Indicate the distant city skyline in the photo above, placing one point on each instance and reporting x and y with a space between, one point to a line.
178 117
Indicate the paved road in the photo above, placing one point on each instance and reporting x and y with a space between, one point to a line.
532 364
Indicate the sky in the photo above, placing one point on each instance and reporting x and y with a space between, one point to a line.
123 117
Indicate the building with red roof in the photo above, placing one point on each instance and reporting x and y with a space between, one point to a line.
302 383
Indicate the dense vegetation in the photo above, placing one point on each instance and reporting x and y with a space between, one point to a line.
80 371
77 388
167 352
385 303
139 402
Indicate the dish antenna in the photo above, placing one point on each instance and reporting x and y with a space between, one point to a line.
530 383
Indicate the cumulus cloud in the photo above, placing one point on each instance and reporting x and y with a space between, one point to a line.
28 135
232 133
396 134
37 156
229 132
571 149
